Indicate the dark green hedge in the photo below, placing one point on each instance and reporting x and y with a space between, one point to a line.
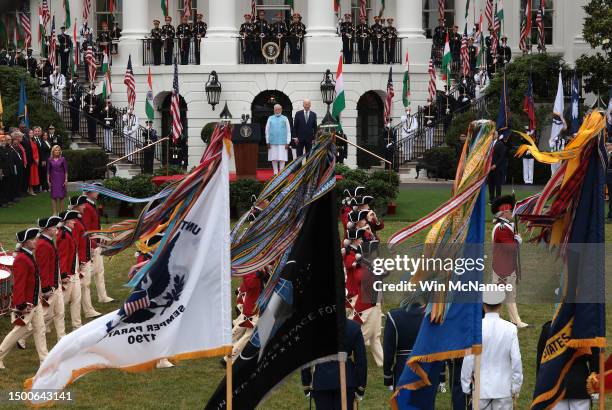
86 164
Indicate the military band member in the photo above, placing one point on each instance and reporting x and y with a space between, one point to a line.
455 45
115 36
262 31
390 39
74 102
505 53
279 33
378 42
104 37
297 31
249 40
347 31
58 83
156 42
47 259
150 136
198 33
85 33
108 117
67 250
438 39
183 32
167 36
363 33
492 52
30 63
26 309
43 72
91 109
130 131
64 45
473 53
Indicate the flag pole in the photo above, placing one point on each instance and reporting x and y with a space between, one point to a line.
363 149
228 383
476 391
602 379
343 381
138 150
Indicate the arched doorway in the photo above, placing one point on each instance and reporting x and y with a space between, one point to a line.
369 128
178 154
263 107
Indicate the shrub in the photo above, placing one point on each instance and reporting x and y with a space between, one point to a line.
207 132
87 164
140 186
440 162
240 194
170 170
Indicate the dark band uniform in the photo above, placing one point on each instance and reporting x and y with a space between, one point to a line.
504 55
279 32
249 40
74 102
262 32
439 39
401 329
150 136
156 42
297 31
390 39
347 30
104 39
378 42
183 32
363 33
64 44
198 32
167 35
322 381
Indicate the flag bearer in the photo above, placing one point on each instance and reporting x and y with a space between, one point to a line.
67 250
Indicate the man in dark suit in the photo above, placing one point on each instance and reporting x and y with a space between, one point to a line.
64 45
321 382
150 136
497 175
304 128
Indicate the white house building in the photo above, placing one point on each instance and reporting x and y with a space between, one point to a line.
249 88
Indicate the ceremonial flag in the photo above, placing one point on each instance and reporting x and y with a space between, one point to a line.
540 23
504 117
86 9
149 101
91 63
529 105
4 27
382 8
489 13
467 11
67 11
432 82
575 102
111 7
339 102
389 98
106 88
499 13
24 19
179 310
22 112
130 84
362 9
75 45
175 111
254 7
526 28
187 8
304 320
558 124
164 7
45 12
441 9
465 55
406 91
53 45
290 4
1 111
41 27
447 62
496 24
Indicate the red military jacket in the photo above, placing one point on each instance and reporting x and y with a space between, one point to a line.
344 212
252 288
353 271
66 248
505 249
26 279
78 232
91 220
48 264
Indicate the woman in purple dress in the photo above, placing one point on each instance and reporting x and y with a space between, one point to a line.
57 176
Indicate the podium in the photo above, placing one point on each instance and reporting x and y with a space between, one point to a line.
246 139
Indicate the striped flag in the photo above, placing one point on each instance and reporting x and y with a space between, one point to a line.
432 82
529 105
362 9
24 20
340 101
164 7
389 99
465 55
149 101
525 28
406 92
254 8
497 22
489 13
441 9
105 83
187 8
91 63
86 9
111 7
138 300
447 62
540 23
67 13
46 14
175 109
75 44
499 15
130 84
336 6
53 45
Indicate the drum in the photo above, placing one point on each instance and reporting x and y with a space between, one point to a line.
6 291
6 262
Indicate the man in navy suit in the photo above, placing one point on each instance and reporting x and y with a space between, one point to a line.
322 381
304 128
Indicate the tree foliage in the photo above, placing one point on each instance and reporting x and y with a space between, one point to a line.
597 32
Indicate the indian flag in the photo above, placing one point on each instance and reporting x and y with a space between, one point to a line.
164 7
340 101
406 92
447 62
105 84
149 100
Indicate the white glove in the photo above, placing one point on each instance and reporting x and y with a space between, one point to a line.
390 388
358 397
442 387
518 239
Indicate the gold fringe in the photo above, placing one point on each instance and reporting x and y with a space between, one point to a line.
586 343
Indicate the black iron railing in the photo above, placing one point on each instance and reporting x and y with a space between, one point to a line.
255 55
396 54
169 48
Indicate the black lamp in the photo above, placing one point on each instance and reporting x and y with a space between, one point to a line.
226 115
328 93
213 89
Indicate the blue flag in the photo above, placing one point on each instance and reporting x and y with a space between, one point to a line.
23 105
575 110
458 335
504 118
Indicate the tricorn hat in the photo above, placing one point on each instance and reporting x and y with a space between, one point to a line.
68 215
353 234
27 234
49 222
502 203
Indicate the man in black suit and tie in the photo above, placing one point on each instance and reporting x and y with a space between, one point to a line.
304 128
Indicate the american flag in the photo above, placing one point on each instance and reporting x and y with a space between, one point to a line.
52 45
525 28
91 63
496 23
465 55
187 8
24 20
441 8
138 300
175 111
432 82
129 82
362 9
45 13
86 9
489 13
540 23
389 99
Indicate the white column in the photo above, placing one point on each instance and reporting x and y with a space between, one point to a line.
135 28
221 44
409 16
34 27
323 45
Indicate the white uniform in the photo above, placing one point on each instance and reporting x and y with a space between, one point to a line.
130 131
409 127
501 370
58 83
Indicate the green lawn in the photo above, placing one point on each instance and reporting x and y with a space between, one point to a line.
189 385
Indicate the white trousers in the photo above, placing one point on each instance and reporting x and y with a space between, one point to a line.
429 134
528 164
72 296
582 404
372 321
57 95
33 320
108 139
496 404
85 272
97 271
240 337
55 313
554 168
130 139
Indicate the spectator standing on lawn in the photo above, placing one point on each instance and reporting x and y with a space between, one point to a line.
57 178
